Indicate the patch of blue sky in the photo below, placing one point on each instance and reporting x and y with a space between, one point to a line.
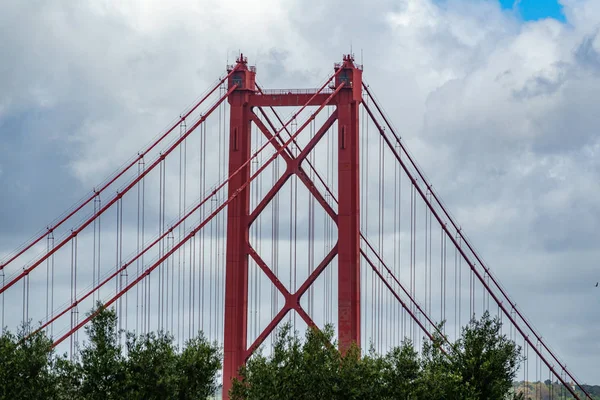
532 10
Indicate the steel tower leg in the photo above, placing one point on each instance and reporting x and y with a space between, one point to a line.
349 207
236 270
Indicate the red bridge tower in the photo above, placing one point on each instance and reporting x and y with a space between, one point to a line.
243 100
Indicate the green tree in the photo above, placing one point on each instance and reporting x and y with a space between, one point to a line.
401 372
481 365
359 377
151 367
437 378
294 370
312 368
197 368
26 366
486 360
68 377
102 362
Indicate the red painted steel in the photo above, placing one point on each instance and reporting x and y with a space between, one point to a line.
348 205
238 227
287 99
239 218
293 167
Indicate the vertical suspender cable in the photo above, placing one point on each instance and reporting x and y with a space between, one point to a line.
412 239
426 272
396 227
161 250
123 275
456 294
97 205
537 377
222 229
253 272
332 227
327 234
414 260
274 238
118 247
217 310
181 254
3 276
295 266
142 218
202 276
430 237
73 294
471 295
525 370
49 278
258 291
459 285
211 276
363 270
443 278
24 316
26 302
75 309
311 229
445 281
94 250
380 206
292 315
367 188
139 244
401 326
165 265
191 294
169 284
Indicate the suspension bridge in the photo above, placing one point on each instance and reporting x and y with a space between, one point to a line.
241 215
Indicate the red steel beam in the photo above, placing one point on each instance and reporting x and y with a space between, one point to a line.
349 207
238 227
293 167
292 300
289 99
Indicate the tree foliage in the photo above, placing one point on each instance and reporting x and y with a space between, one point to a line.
26 366
102 362
146 367
487 361
482 364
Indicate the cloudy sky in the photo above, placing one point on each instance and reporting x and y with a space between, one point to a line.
497 103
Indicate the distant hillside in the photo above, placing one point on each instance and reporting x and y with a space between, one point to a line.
552 390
